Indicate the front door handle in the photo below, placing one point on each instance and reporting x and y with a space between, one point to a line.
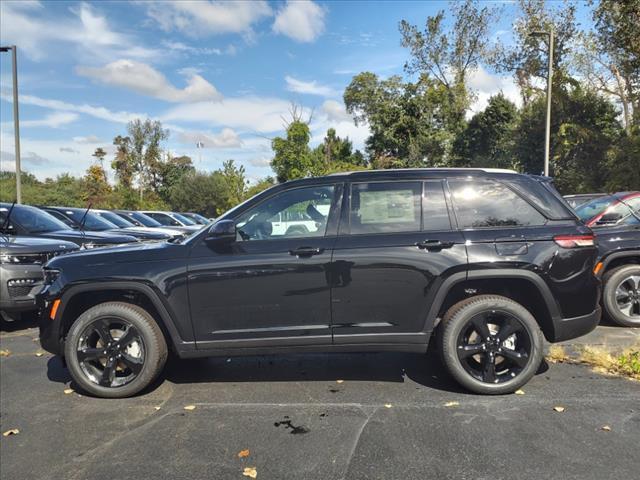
434 245
306 251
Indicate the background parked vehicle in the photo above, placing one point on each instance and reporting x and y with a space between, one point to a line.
197 218
140 219
490 269
614 209
21 274
84 219
173 219
26 220
581 198
128 226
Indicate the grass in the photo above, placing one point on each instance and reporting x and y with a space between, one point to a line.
625 364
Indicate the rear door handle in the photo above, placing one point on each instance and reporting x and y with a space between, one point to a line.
306 251
434 245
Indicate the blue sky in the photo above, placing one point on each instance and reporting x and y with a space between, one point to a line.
224 73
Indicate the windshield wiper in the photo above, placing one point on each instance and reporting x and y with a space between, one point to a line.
84 217
5 224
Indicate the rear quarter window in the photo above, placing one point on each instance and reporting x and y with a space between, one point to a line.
487 204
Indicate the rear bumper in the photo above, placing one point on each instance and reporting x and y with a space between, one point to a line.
568 328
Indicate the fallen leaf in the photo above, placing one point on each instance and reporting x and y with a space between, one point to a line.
13 431
39 354
519 392
388 405
559 409
157 408
190 407
250 472
606 428
4 353
339 381
67 391
243 453
452 404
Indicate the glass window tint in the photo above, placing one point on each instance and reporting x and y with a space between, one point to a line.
385 207
435 214
302 212
480 204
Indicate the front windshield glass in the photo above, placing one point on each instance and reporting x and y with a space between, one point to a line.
91 221
183 219
145 220
32 219
115 219
594 207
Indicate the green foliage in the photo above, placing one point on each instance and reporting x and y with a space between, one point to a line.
292 154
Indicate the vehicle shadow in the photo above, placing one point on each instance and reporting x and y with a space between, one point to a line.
27 320
425 370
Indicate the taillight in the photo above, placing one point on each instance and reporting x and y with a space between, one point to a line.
575 241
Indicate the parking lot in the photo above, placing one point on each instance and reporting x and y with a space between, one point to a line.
391 416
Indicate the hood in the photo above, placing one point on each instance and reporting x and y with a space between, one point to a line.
26 245
141 233
83 237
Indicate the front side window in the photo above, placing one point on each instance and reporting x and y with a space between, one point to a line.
484 204
385 207
302 212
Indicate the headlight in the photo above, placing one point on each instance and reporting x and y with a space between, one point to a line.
50 275
7 259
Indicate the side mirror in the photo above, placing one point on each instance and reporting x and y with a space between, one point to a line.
223 231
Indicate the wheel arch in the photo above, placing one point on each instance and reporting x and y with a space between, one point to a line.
522 286
617 259
79 298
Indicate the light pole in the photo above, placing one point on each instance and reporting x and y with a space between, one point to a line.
547 136
16 123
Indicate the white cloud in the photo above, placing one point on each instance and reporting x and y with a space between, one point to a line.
68 150
485 85
260 162
8 161
197 18
227 138
53 120
335 111
36 33
144 79
257 114
309 88
97 112
184 48
89 140
301 20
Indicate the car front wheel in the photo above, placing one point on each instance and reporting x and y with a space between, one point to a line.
490 344
115 350
621 295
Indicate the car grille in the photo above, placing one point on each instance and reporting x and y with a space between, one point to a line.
20 291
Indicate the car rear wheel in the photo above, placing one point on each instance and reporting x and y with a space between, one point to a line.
621 295
115 350
490 344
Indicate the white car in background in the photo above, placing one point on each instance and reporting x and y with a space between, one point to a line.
125 225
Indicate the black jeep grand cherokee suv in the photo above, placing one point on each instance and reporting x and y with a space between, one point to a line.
375 260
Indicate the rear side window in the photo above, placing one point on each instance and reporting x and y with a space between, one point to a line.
385 207
484 204
435 215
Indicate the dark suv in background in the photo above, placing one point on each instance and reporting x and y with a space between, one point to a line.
490 262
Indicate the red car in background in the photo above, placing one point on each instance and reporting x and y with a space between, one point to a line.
615 209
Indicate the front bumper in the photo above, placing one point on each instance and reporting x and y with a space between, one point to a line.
19 285
49 327
568 328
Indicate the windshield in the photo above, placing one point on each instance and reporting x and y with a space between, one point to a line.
594 207
201 219
144 219
32 219
183 219
91 221
115 219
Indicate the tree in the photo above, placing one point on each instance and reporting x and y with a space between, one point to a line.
123 162
99 155
259 186
95 188
335 154
488 140
167 173
145 153
235 184
292 157
206 193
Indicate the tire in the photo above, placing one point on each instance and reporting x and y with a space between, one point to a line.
460 337
625 277
119 368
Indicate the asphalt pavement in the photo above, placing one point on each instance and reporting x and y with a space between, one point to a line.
338 416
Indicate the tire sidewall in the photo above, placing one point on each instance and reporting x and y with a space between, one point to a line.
609 294
459 320
132 314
